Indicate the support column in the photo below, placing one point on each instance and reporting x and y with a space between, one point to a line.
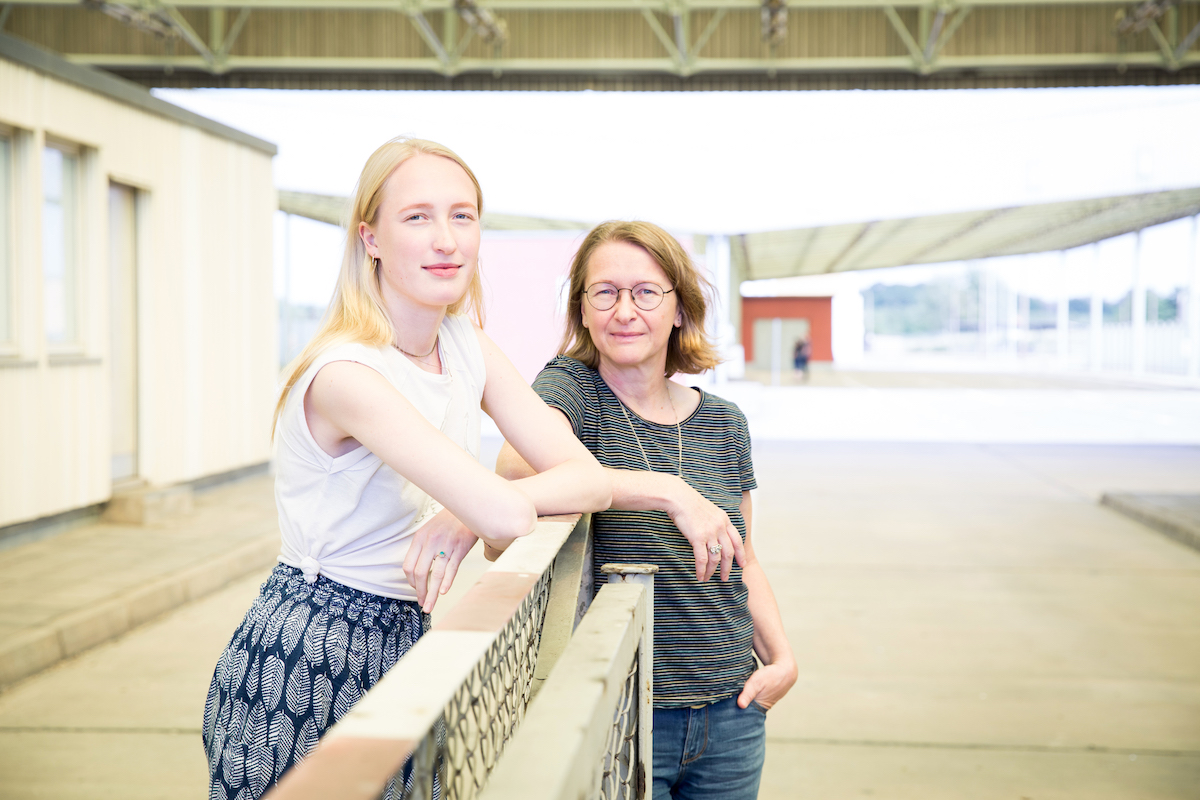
1193 302
717 254
286 353
1137 310
1096 315
776 351
1063 312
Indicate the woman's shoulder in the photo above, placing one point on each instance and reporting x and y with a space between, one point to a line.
567 381
567 372
714 405
369 355
570 366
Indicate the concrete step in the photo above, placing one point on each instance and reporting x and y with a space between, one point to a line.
1176 515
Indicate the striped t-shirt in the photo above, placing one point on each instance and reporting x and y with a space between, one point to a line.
703 635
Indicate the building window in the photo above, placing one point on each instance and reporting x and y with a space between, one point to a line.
60 202
6 278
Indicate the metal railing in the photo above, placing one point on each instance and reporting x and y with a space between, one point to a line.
589 733
456 698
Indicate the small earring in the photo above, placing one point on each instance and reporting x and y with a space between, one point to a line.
375 261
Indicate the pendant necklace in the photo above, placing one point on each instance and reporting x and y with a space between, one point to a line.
678 433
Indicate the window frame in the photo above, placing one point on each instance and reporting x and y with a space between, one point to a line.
72 342
8 282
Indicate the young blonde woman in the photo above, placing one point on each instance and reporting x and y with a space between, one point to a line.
379 490
679 460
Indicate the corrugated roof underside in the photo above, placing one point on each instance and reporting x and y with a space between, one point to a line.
993 46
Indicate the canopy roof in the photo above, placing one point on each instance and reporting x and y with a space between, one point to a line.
333 210
653 45
955 237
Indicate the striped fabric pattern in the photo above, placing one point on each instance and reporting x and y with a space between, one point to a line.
703 635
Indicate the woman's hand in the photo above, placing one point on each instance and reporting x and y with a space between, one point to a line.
703 524
768 684
428 572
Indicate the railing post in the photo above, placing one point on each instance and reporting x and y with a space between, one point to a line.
642 574
571 590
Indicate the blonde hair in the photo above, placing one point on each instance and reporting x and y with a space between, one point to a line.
357 313
688 349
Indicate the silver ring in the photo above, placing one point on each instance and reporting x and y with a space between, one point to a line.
714 548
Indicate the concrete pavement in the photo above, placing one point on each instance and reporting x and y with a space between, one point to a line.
969 623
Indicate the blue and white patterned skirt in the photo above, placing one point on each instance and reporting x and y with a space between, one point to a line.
304 654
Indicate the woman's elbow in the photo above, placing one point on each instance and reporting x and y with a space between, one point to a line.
600 488
510 520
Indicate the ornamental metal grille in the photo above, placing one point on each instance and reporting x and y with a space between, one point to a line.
623 777
464 746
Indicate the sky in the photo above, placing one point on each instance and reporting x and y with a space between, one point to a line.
735 162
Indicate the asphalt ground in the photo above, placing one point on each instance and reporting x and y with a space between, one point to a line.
968 620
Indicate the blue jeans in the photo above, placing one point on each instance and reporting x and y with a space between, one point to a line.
714 752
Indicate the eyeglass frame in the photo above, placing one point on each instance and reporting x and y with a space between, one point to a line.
588 289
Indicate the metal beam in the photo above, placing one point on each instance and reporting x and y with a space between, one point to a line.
901 29
959 15
231 37
1168 52
931 38
660 33
711 28
189 35
1187 43
667 66
680 16
664 6
431 39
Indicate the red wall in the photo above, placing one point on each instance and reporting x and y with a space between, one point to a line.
817 310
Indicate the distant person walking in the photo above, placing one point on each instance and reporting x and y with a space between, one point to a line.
377 480
679 460
801 355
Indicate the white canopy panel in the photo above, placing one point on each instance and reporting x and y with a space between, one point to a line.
955 237
334 210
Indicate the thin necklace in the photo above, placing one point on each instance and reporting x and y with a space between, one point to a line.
414 355
678 433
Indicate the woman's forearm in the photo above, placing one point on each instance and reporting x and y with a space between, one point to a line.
631 490
635 490
574 486
770 640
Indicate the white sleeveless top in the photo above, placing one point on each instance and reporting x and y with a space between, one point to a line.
351 518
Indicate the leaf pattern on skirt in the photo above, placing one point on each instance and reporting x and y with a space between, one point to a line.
347 697
252 676
271 684
314 640
336 642
294 629
374 653
357 656
322 697
302 657
299 689
280 736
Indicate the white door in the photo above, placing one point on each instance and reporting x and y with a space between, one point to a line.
122 238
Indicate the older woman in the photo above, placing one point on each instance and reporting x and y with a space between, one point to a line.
679 460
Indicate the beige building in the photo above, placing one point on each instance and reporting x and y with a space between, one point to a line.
137 321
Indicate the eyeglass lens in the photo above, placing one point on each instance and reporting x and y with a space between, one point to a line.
646 296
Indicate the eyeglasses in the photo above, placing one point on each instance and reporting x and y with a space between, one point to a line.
646 296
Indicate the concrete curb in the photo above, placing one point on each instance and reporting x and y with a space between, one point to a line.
77 631
1177 516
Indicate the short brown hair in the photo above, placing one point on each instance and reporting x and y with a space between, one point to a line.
689 349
